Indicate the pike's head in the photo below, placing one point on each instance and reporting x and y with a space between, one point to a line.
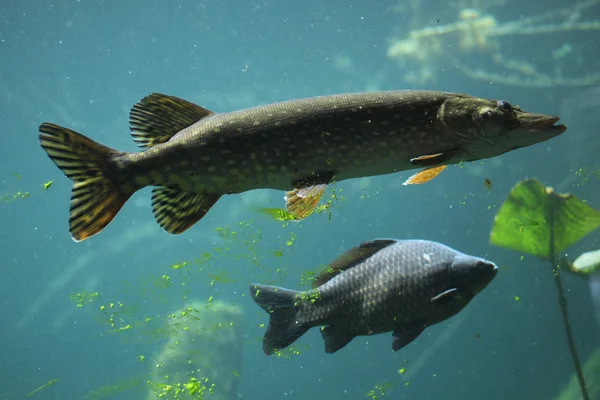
488 128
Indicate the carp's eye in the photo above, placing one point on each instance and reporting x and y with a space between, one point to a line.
504 105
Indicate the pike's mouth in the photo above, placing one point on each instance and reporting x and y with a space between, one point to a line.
546 123
550 123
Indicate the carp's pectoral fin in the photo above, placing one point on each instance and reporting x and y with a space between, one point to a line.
425 175
433 159
335 338
302 201
158 117
445 297
406 334
176 210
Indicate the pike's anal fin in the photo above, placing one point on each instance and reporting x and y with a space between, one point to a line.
302 202
303 199
176 210
425 175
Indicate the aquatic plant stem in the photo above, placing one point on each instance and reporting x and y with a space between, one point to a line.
562 300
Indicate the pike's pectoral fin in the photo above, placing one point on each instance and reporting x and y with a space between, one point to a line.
433 159
158 117
302 201
335 338
425 175
406 334
176 210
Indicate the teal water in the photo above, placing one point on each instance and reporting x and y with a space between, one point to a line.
83 64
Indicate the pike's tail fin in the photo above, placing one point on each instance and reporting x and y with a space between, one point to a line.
96 197
284 327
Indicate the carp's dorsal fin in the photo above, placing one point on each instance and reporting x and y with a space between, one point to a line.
425 175
351 258
433 159
176 210
158 117
303 199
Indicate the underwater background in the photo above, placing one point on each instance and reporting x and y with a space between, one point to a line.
111 317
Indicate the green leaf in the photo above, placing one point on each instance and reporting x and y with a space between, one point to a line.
523 221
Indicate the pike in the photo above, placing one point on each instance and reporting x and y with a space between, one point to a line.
194 155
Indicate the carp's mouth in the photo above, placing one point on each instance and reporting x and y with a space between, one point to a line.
541 123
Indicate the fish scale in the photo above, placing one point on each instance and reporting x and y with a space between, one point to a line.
399 273
384 285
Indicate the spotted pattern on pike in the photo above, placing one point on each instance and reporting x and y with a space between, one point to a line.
299 146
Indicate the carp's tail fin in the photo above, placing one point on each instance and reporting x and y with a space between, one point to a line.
284 327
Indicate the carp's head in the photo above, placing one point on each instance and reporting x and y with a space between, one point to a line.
472 274
488 128
466 277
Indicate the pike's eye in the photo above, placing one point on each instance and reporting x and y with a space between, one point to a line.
504 105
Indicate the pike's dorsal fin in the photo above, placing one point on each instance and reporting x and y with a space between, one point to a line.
351 258
302 201
425 175
176 210
158 117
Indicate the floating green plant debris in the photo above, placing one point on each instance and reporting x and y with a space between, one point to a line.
7 198
378 391
278 214
84 297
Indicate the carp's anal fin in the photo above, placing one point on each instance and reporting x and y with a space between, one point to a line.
307 192
176 210
335 338
351 258
406 334
158 117
425 175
